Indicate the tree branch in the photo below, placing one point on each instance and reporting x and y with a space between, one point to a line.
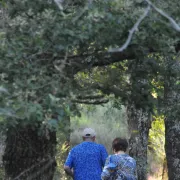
90 97
131 32
95 102
100 59
59 4
89 2
111 90
136 25
171 20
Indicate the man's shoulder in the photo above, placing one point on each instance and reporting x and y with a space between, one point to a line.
76 147
83 145
101 146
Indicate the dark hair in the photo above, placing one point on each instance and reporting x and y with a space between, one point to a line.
119 144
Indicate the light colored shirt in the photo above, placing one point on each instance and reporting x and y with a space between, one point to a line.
126 168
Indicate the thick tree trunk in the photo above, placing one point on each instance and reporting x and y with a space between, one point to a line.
172 146
30 154
139 125
172 133
172 119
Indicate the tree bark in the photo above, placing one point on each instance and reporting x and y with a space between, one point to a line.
172 123
29 153
165 170
172 145
172 112
139 124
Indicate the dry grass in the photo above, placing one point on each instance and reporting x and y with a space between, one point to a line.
108 124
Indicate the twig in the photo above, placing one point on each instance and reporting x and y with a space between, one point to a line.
131 32
95 102
83 11
90 97
3 90
59 4
25 171
171 20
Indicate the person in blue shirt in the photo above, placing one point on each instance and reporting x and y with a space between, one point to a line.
119 166
86 160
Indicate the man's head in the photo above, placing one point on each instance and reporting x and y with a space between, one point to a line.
88 134
119 144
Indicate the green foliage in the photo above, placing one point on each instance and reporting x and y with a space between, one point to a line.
108 122
2 175
62 151
41 38
156 151
48 55
157 138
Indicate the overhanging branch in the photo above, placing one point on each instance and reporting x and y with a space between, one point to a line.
171 20
90 97
99 59
95 102
132 31
76 63
111 90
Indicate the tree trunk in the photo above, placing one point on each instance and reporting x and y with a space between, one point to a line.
30 153
172 134
172 147
172 120
165 170
139 125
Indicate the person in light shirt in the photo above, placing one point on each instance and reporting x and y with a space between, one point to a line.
119 166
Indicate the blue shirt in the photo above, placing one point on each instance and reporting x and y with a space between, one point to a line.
87 160
125 168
